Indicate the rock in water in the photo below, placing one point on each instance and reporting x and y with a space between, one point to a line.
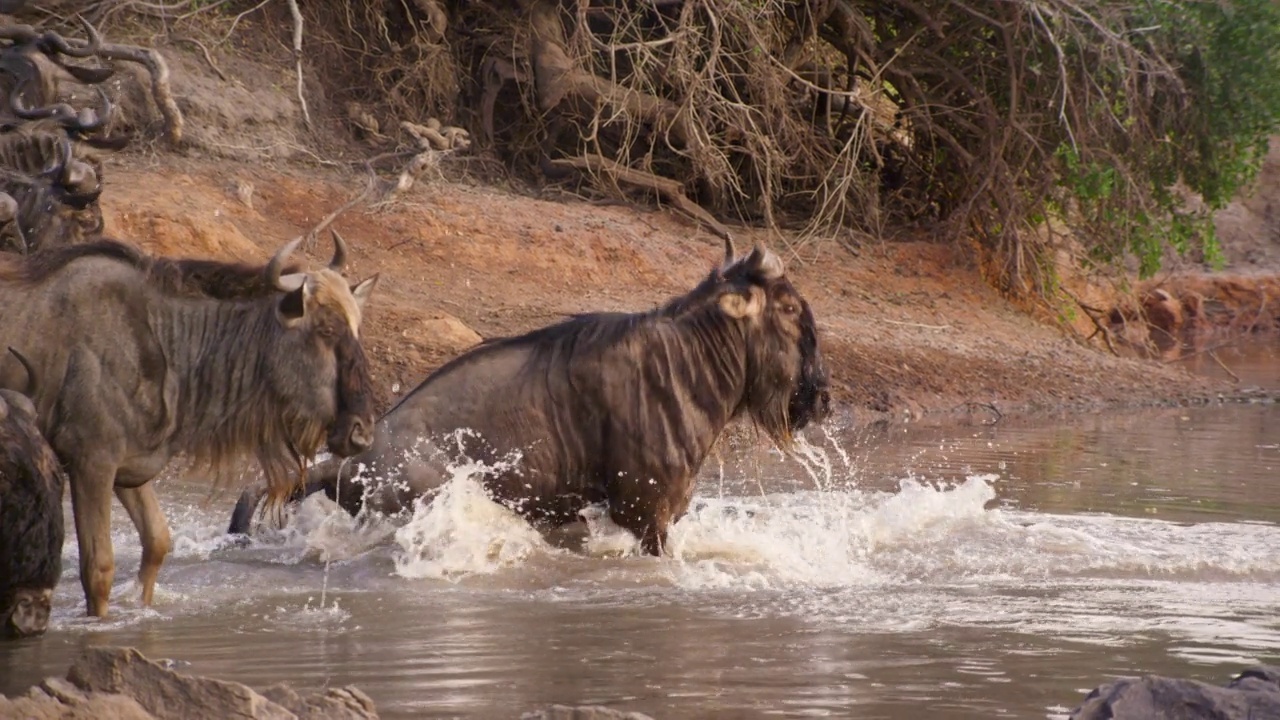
1253 695
108 683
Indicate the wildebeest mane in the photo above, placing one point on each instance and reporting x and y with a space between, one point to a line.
184 277
598 329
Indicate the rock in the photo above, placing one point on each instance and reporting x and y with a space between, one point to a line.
334 704
56 699
1253 694
582 712
446 332
108 683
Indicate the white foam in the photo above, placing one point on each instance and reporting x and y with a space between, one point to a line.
461 532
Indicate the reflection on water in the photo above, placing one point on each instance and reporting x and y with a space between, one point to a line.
963 572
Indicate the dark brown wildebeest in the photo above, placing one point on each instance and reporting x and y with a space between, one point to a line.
614 407
144 358
31 525
29 70
50 176
53 205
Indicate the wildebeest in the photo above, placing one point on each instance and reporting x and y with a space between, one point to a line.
31 525
50 177
28 70
53 203
614 407
144 358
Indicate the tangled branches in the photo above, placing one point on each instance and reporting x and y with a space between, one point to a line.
979 119
989 121
50 176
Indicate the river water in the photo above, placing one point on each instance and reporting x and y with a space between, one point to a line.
963 572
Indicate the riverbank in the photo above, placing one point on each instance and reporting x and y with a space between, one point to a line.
910 328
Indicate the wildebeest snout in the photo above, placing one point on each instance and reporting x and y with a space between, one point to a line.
29 614
361 436
352 434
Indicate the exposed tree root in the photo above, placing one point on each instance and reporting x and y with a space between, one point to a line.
669 189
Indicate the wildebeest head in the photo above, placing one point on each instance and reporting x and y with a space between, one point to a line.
32 65
324 373
31 529
787 380
49 196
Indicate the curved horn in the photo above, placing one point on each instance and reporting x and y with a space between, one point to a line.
56 170
60 166
115 142
60 111
19 33
277 264
79 200
32 384
339 252
729 252
88 75
8 208
55 41
88 119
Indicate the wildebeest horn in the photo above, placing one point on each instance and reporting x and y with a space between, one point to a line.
766 263
88 75
89 119
9 216
339 252
56 41
83 74
8 208
277 264
771 266
78 175
57 166
32 385
729 252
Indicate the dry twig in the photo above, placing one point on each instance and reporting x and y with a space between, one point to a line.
297 56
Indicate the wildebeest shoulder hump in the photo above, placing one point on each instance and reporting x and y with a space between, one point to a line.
183 277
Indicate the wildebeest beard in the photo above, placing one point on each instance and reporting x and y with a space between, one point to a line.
811 400
781 400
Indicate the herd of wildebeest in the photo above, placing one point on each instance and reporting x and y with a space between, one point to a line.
114 362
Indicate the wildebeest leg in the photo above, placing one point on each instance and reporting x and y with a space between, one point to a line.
643 513
648 509
91 505
153 532
247 506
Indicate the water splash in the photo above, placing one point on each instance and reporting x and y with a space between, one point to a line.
460 531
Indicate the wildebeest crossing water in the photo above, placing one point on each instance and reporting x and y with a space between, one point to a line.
962 572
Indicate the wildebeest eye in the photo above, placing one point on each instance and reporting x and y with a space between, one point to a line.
790 308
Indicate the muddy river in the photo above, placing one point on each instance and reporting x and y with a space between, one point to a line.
964 572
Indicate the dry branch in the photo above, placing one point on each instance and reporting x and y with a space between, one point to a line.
669 189
297 56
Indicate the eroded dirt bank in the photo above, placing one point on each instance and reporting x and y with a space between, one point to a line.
909 329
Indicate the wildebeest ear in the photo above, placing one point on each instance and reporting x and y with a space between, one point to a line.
293 306
293 281
739 306
362 291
